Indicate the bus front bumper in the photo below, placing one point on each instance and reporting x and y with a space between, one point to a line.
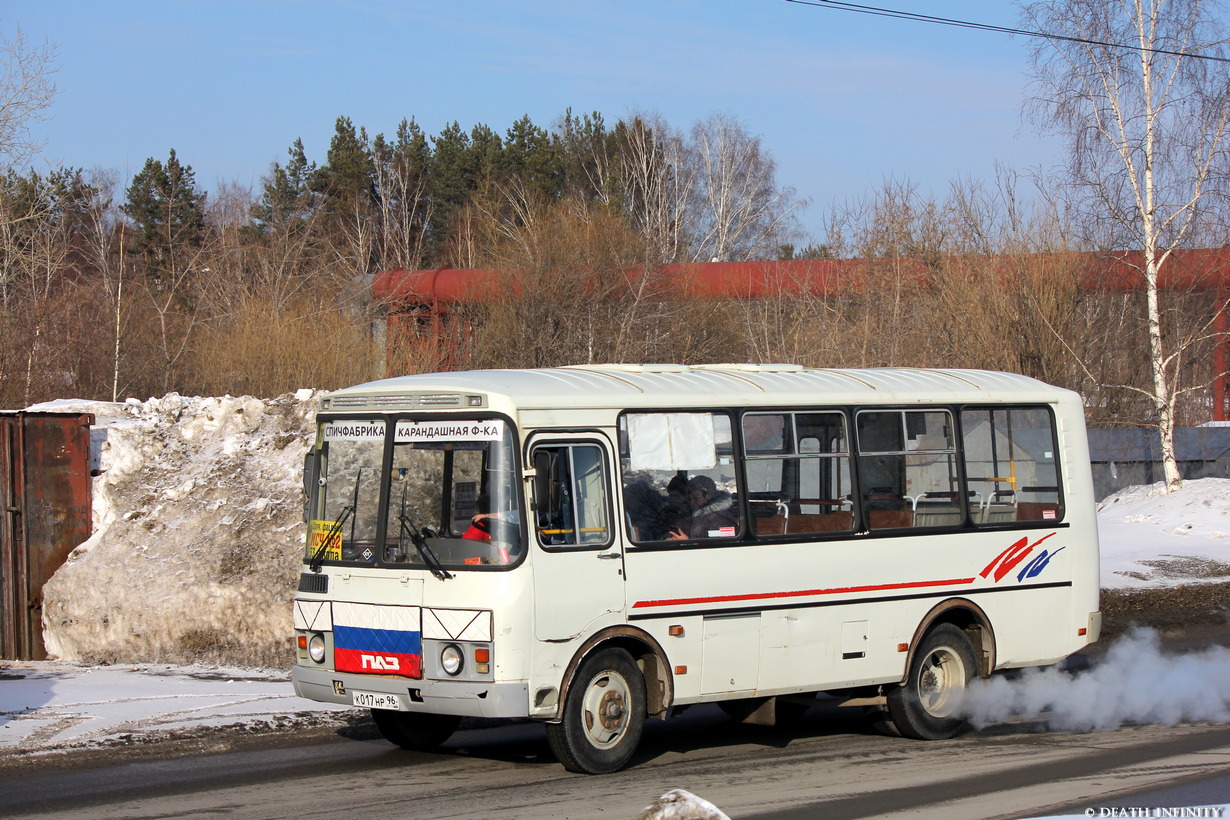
468 699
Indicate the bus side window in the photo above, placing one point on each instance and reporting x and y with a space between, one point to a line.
1010 464
908 470
798 472
571 499
823 476
679 476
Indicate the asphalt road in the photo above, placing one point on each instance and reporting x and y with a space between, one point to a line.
829 765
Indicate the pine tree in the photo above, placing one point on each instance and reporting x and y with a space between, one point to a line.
348 176
588 157
346 190
287 195
451 179
486 161
402 169
168 214
531 158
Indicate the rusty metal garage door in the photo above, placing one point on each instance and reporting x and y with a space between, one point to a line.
45 497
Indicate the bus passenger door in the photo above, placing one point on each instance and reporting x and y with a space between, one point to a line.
578 563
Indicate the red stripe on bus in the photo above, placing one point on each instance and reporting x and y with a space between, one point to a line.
760 596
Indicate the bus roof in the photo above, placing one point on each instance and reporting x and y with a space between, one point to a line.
673 385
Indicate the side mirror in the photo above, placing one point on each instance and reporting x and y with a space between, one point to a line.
547 478
542 480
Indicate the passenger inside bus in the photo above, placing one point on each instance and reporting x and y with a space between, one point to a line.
713 513
649 517
480 522
500 527
678 509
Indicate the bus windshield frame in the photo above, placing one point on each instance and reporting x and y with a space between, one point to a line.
416 492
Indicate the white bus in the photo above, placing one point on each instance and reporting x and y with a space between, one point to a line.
590 546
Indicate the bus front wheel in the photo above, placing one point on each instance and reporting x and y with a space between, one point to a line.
604 715
416 731
928 705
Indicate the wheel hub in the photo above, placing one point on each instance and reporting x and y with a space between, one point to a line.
611 710
940 682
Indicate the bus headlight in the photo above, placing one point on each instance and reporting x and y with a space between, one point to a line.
451 659
316 647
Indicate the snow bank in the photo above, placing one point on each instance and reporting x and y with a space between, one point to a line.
680 804
198 518
1151 539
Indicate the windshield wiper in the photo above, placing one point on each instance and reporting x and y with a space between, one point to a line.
318 557
420 541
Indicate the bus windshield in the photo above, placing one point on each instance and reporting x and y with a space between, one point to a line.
441 497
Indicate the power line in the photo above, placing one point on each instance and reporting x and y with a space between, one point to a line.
946 21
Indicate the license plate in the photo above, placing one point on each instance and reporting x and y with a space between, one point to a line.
377 700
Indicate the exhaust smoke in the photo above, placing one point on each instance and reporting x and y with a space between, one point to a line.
1136 682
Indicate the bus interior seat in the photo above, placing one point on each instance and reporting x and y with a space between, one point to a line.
787 519
836 521
937 509
804 523
996 513
936 515
888 519
769 525
887 509
1036 511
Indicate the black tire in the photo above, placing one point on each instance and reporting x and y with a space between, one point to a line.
604 715
416 731
928 705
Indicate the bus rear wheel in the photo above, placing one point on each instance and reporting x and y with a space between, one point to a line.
604 715
928 705
416 731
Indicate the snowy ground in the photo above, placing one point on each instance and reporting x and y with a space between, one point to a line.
1149 539
48 706
198 518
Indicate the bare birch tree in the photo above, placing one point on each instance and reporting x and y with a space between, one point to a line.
744 215
1145 117
26 92
659 183
402 202
99 235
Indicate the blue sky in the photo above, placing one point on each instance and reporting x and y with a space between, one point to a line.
842 101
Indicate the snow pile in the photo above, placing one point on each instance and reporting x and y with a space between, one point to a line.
680 804
1151 539
198 518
